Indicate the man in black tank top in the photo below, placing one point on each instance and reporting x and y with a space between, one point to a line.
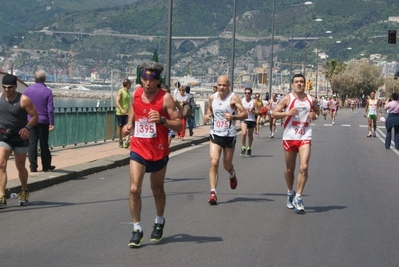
14 132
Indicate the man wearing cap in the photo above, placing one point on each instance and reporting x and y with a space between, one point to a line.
14 132
42 98
122 102
153 113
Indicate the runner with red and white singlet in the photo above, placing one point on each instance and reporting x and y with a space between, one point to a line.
299 109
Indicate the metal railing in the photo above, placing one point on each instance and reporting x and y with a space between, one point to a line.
82 125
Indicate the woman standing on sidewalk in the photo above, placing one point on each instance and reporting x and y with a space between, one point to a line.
392 107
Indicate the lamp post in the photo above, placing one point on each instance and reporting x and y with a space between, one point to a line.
292 31
340 66
306 45
271 53
317 68
233 40
169 45
317 71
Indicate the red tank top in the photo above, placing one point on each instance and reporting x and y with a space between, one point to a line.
149 139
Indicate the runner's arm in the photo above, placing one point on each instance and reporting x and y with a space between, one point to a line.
208 114
242 113
278 112
174 121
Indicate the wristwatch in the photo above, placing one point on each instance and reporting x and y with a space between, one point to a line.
163 120
28 127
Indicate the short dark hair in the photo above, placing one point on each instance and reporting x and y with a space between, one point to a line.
188 89
248 88
298 75
126 82
395 96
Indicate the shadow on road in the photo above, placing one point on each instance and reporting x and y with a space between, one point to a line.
190 238
245 199
324 209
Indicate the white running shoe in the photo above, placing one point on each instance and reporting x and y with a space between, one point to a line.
290 198
298 204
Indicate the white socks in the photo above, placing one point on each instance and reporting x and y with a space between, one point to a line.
137 226
159 220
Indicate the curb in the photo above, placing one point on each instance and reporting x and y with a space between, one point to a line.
48 179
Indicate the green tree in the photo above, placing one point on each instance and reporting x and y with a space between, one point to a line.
334 69
358 79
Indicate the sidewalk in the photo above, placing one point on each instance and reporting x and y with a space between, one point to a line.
81 160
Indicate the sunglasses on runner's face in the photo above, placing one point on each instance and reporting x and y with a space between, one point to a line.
247 93
8 86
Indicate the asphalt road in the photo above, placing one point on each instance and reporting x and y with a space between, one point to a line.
351 215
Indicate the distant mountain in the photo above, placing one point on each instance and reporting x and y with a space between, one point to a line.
359 24
22 15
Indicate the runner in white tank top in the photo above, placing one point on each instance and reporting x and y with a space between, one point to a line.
299 109
225 108
297 127
248 125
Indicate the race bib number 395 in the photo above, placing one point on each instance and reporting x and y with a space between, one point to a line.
145 129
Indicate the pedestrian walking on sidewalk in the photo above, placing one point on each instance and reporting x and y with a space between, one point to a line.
152 112
191 103
122 102
299 109
14 132
224 108
42 99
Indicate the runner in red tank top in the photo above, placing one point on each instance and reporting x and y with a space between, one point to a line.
153 113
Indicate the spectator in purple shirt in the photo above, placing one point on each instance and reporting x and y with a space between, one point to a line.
42 98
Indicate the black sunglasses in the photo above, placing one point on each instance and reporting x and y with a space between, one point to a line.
8 86
247 93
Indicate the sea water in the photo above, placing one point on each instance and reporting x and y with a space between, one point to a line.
66 102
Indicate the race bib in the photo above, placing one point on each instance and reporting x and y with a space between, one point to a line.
373 110
221 125
300 127
145 129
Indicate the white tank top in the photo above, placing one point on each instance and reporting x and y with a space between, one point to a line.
372 109
220 126
249 107
324 103
297 127
273 104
